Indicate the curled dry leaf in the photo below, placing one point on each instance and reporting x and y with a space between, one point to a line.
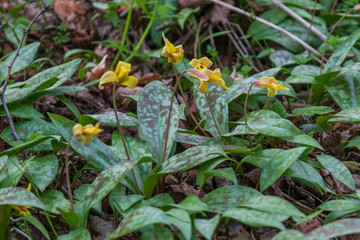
67 9
97 71
149 77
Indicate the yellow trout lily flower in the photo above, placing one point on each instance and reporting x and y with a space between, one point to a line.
205 75
23 210
86 133
121 76
174 54
271 84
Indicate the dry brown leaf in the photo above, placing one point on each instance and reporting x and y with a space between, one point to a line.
67 9
187 190
308 226
97 71
149 77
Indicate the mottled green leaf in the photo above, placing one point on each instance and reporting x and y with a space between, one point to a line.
54 200
341 205
21 110
153 112
21 146
109 118
189 138
289 234
78 234
278 164
300 79
334 229
338 169
222 198
42 171
10 171
160 200
126 201
34 221
191 158
350 115
158 233
192 203
227 173
255 218
310 111
273 205
261 158
181 219
25 58
207 227
275 16
242 87
219 106
353 142
19 196
306 69
138 219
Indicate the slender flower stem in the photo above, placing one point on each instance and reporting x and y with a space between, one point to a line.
212 115
67 171
245 110
187 105
169 115
327 39
128 20
122 137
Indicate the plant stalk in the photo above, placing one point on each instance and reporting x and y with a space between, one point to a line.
245 114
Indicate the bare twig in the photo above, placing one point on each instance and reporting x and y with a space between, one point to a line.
299 19
311 22
2 93
292 36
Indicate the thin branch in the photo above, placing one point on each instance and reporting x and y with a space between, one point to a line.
311 21
299 19
2 93
292 36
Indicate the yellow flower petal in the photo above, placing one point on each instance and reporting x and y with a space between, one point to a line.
77 130
109 76
121 66
216 78
86 138
271 92
280 87
129 81
203 87
169 47
87 132
201 63
206 62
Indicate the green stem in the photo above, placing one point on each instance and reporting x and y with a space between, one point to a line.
122 137
126 29
187 105
169 115
67 172
327 39
146 32
212 115
245 110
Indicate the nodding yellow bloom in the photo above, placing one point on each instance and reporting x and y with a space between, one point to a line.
271 84
174 54
121 76
86 133
205 75
23 210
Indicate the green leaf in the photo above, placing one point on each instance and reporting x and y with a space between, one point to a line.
125 201
289 234
138 219
78 234
25 58
192 203
34 221
341 205
227 173
207 227
160 200
23 146
75 51
350 115
54 200
158 233
255 218
71 106
222 198
353 142
42 171
80 193
278 164
310 111
153 111
338 169
242 87
273 205
189 138
150 183
19 196
191 158
109 119
275 16
341 52
219 106
21 111
181 219
184 14
338 228
10 171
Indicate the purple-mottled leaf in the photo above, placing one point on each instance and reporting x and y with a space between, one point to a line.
19 196
335 229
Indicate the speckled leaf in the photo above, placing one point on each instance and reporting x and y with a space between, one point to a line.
207 227
350 115
78 234
261 158
42 171
227 173
138 219
137 149
21 110
255 218
353 142
341 205
335 229
19 196
217 99
24 145
109 118
25 58
158 233
273 205
54 200
242 86
105 182
338 169
153 111
181 219
289 234
306 69
300 79
304 140
47 79
192 204
189 138
97 153
310 111
191 158
341 52
278 165
10 171
222 198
